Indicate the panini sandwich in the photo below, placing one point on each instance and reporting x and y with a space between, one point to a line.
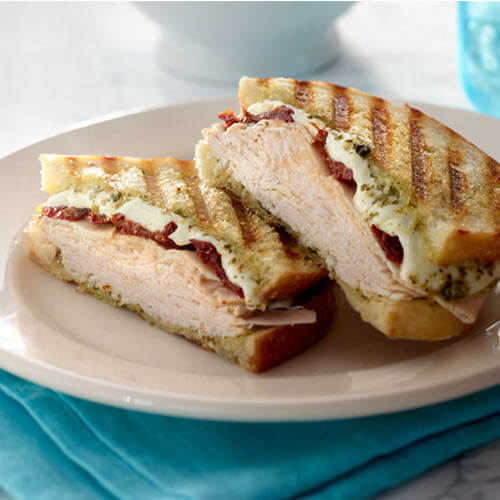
188 257
404 212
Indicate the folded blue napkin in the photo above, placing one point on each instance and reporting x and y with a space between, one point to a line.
54 446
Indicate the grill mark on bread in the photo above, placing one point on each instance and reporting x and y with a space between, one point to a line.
303 93
494 169
288 242
152 185
110 165
249 231
381 131
342 110
458 180
203 211
186 168
493 173
419 157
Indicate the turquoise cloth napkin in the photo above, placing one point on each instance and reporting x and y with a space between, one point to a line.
54 446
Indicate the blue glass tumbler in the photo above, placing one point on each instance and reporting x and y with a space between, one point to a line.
479 54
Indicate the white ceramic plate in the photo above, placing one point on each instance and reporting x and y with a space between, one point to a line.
73 343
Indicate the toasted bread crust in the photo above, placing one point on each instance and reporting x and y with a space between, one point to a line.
449 185
273 346
258 350
417 319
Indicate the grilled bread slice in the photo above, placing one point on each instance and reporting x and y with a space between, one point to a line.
448 184
359 182
127 262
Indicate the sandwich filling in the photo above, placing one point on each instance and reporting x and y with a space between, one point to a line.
205 250
384 228
276 311
141 218
175 286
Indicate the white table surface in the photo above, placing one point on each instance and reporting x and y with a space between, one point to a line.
64 63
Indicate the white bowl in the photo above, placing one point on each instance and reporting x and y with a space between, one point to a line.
223 40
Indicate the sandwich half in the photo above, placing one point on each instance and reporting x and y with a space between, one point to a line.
188 257
402 211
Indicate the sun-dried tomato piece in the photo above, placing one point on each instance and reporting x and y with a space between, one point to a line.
97 218
283 113
210 256
389 244
66 213
229 118
337 168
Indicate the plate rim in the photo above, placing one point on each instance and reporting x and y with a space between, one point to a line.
235 410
